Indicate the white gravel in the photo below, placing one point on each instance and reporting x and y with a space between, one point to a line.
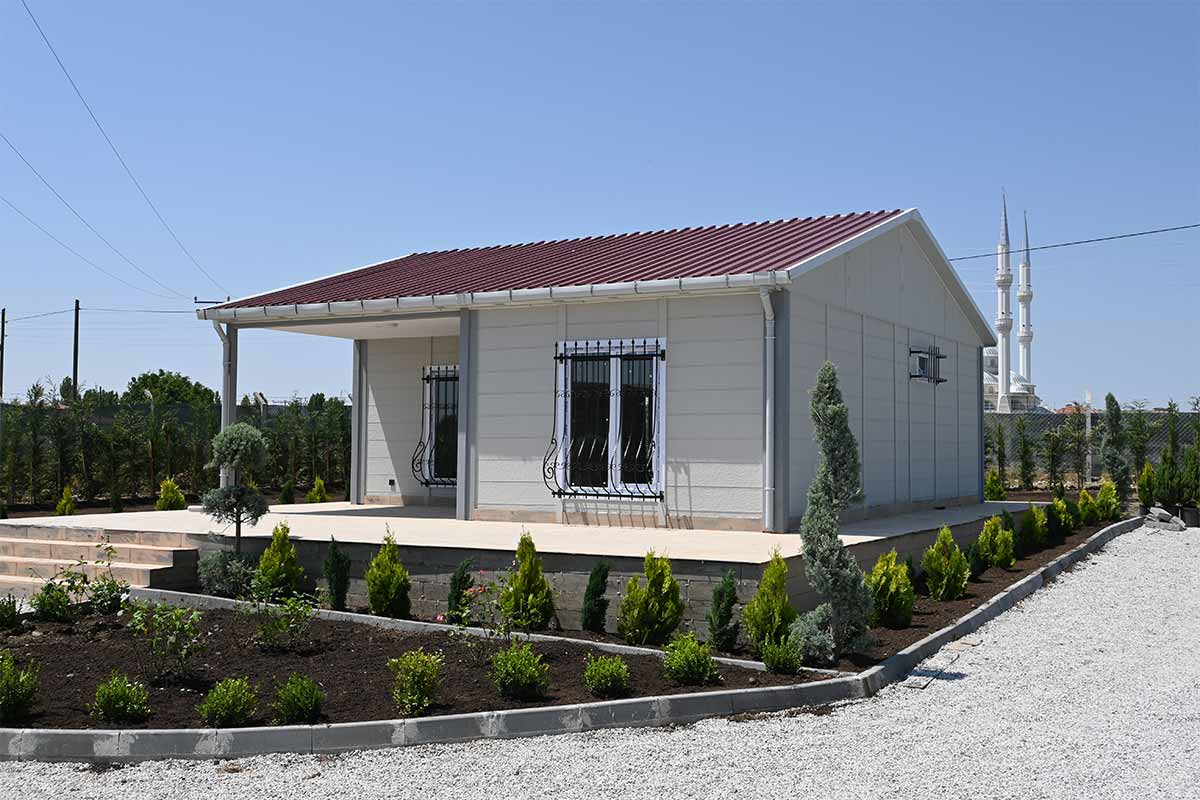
1089 689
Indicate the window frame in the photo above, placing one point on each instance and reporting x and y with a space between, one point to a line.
426 456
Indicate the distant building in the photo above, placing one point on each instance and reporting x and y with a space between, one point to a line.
1018 394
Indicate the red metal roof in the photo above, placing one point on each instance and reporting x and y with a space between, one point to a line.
654 255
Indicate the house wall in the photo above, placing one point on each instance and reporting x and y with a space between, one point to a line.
395 396
863 311
713 420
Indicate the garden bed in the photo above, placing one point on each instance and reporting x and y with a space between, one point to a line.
349 662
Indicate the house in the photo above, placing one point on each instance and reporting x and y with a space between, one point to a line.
650 379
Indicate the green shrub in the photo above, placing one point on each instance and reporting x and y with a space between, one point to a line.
1073 511
650 613
298 701
317 493
993 487
606 676
945 566
977 562
1108 507
723 626
232 703
10 616
996 543
18 688
1088 512
595 604
1002 554
52 603
689 661
226 574
105 594
519 673
1058 522
66 506
526 601
1031 535
1145 485
170 498
784 657
416 679
769 613
120 699
279 570
283 625
892 591
1006 521
337 575
812 632
458 600
171 635
388 582
287 493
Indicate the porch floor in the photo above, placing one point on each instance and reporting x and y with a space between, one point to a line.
433 526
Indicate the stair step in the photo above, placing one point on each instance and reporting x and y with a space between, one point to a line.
81 533
20 547
19 586
154 576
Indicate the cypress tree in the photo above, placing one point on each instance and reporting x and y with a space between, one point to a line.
595 604
1114 449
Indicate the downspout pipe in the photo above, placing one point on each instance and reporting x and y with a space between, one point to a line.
768 410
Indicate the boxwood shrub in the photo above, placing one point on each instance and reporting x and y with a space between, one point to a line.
519 673
689 661
121 699
416 679
946 568
232 703
606 676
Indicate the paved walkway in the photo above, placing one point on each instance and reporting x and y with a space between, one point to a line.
1089 689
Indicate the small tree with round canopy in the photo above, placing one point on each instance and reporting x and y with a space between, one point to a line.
240 449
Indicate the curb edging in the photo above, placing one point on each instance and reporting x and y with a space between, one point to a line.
127 746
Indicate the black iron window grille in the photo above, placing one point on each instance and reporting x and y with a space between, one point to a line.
435 459
608 407
926 364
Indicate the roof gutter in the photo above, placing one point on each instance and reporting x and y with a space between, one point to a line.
443 302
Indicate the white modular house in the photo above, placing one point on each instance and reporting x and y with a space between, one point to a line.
651 379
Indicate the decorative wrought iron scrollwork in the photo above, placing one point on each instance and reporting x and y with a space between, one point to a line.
607 409
435 459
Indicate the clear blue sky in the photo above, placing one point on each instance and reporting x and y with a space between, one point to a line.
287 140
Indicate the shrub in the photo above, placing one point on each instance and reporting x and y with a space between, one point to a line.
52 603
650 613
287 493
337 575
1073 511
595 604
170 498
105 594
230 704
1113 449
519 673
1145 485
689 661
388 582
1031 536
996 543
458 601
18 688
416 679
993 487
1006 521
298 701
1088 512
723 626
284 624
1108 507
769 613
120 699
171 634
1002 554
66 506
606 676
526 601
1058 522
226 574
945 567
892 592
317 493
279 570
784 657
10 616
812 632
241 449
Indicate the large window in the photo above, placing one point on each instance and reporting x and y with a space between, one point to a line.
608 419
435 460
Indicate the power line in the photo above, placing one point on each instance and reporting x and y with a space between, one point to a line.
1082 241
42 314
76 253
116 152
79 216
139 310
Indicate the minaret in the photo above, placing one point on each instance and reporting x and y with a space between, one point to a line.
1024 300
1003 312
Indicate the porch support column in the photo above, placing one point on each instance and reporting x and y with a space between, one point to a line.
358 423
229 370
466 416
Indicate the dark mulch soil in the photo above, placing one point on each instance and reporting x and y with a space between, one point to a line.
349 662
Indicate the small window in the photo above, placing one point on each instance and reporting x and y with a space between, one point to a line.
925 364
435 460
608 412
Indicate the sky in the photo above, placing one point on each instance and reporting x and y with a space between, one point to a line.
285 141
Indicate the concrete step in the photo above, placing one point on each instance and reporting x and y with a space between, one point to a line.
90 551
73 533
22 587
153 576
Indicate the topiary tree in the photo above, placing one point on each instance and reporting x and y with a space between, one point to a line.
650 614
1113 447
831 570
279 570
946 568
1107 503
526 600
170 498
388 582
723 626
337 575
769 613
458 605
595 604
996 543
892 592
239 449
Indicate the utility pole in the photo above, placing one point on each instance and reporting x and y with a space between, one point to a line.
75 356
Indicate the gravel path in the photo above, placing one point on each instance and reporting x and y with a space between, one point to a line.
1090 688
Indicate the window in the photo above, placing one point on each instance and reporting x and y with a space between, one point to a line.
607 439
926 364
435 460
